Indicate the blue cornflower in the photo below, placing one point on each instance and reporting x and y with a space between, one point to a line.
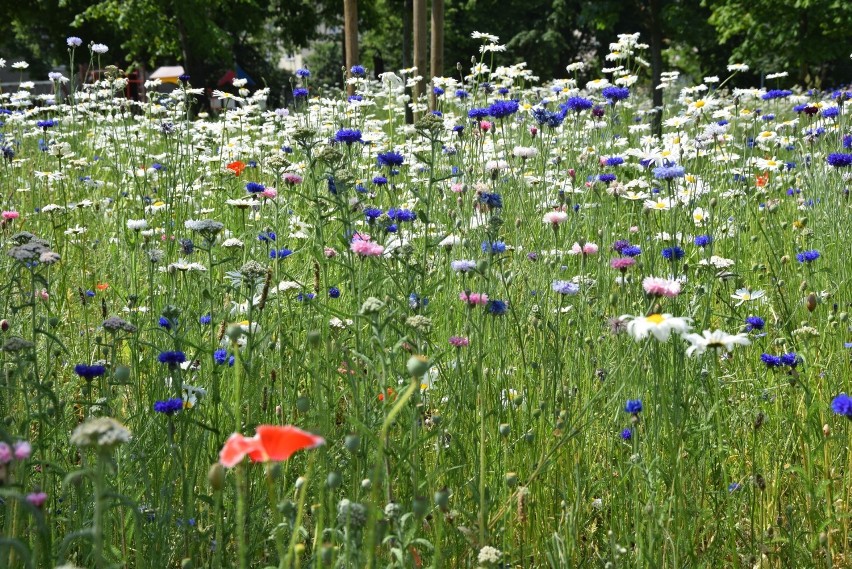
220 356
606 178
548 118
633 406
503 109
266 236
565 287
300 92
186 246
372 213
50 123
734 486
347 135
415 301
577 104
358 70
770 360
332 187
614 161
776 94
458 129
493 247
334 292
847 141
165 323
89 372
492 200
172 357
380 181
462 94
390 159
503 90
807 256
673 253
477 113
206 319
842 405
90 293
438 91
839 160
632 251
497 307
703 240
669 172
169 406
790 360
401 214
830 112
302 297
626 434
280 253
614 94
254 187
392 228
354 98
754 323
303 73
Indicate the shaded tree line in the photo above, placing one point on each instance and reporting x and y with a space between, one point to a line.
805 38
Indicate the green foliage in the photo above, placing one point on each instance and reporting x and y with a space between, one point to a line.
807 38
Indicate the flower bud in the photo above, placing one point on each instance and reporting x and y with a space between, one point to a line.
417 365
216 477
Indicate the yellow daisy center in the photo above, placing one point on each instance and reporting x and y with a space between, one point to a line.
655 318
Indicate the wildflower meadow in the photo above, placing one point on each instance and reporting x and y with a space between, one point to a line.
527 330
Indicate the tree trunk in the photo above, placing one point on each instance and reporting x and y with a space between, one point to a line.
437 48
350 35
407 14
420 45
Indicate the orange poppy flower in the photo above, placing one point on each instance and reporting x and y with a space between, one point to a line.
270 443
102 286
236 167
762 180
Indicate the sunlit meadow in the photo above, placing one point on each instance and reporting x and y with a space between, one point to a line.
521 332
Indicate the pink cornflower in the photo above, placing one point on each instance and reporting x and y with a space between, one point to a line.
270 193
656 286
474 298
367 248
329 252
5 453
622 263
586 249
554 218
37 499
485 126
634 229
459 341
22 450
292 179
457 188
9 215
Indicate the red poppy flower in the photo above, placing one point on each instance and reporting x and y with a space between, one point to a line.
762 180
270 443
236 167
102 286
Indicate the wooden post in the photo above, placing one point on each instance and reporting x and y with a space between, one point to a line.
408 12
437 51
350 36
420 44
